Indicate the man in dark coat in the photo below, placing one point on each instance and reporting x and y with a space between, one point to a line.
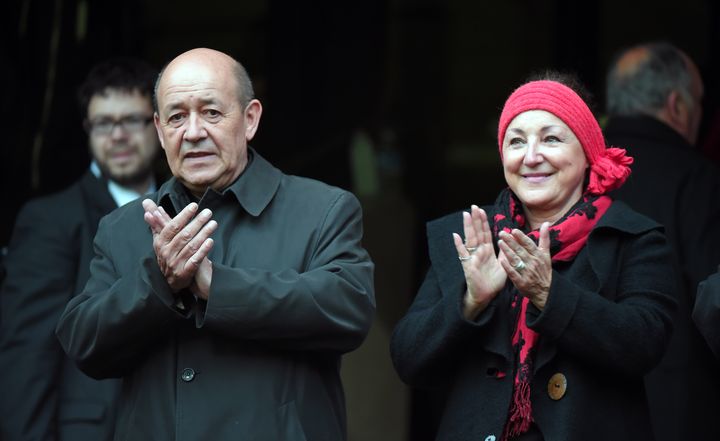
226 299
43 394
654 94
706 313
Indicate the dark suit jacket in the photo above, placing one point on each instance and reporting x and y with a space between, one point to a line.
292 290
672 184
43 395
706 313
606 323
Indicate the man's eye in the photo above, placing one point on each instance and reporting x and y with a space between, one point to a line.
175 118
212 113
103 124
134 119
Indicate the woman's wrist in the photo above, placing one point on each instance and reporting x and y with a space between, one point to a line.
472 307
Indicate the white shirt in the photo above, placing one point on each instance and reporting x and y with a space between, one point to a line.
121 195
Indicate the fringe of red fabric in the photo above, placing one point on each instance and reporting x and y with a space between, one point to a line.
520 411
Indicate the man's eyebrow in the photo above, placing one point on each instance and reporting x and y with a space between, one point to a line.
172 105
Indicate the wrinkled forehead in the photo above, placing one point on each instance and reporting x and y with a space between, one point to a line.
203 74
186 74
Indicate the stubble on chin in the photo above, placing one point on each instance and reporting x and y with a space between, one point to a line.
129 178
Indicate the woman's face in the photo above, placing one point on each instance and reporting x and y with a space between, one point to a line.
544 163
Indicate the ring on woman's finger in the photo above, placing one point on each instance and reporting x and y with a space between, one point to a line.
463 259
519 266
471 249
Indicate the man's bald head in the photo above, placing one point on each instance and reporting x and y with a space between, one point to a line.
204 119
643 78
210 58
631 60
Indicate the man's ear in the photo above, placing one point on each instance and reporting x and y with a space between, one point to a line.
156 120
677 109
253 112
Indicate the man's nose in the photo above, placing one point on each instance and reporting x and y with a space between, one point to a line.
195 128
118 132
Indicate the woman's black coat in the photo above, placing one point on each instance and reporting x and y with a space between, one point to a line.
606 323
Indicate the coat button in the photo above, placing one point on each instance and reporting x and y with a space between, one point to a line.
187 374
557 386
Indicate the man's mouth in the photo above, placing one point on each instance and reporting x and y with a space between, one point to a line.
193 155
122 155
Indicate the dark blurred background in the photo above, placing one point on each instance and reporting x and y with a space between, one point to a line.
395 100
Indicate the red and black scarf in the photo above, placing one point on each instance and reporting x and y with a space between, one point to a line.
567 237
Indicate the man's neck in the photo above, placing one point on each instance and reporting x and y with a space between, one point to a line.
141 187
124 194
674 123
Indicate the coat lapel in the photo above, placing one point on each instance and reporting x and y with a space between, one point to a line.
97 198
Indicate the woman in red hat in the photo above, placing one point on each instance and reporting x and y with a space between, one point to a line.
540 314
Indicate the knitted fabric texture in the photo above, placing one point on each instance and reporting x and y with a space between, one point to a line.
609 167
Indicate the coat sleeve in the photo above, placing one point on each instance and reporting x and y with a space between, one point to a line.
327 307
697 221
429 339
41 267
433 337
117 318
706 313
625 331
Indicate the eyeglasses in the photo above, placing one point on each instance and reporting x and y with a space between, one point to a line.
129 124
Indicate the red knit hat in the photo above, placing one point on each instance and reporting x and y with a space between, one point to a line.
609 167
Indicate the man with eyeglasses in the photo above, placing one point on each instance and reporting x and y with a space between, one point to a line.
43 395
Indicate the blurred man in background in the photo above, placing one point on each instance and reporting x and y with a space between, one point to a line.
43 394
654 100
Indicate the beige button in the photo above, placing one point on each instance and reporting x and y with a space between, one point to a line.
557 386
